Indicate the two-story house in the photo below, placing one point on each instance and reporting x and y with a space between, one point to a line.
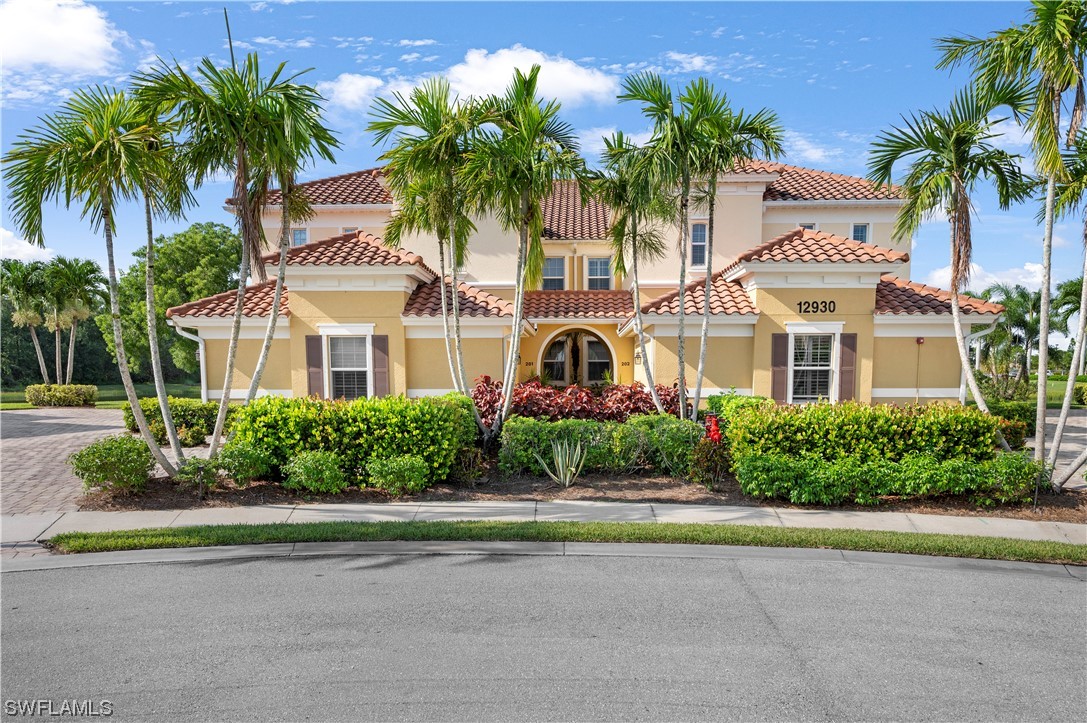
811 300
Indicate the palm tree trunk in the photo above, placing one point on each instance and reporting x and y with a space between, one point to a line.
446 328
684 233
153 338
1070 385
638 324
231 353
515 328
58 348
707 295
71 352
281 273
1043 320
1061 480
38 350
122 358
461 379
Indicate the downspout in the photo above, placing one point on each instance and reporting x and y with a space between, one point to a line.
203 357
970 340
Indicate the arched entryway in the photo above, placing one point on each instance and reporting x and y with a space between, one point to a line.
576 355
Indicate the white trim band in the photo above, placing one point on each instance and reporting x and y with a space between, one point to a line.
919 392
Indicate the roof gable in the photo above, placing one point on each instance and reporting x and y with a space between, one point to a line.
729 297
898 296
349 249
258 302
355 188
805 246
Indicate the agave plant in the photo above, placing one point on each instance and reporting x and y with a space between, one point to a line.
569 457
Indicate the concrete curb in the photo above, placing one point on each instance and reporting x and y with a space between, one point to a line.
552 549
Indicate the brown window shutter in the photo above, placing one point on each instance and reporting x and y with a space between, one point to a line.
381 365
779 367
847 368
315 376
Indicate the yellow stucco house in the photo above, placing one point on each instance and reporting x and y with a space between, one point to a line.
811 300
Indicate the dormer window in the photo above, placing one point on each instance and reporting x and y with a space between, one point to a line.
860 232
698 244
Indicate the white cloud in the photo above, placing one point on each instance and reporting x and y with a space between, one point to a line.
690 62
591 140
410 57
416 43
799 146
17 248
61 35
275 42
350 91
719 32
1028 275
482 73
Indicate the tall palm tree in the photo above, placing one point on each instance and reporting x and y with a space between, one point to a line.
93 151
431 130
949 154
682 128
228 121
1047 54
510 171
79 285
1021 320
24 286
638 202
732 139
57 303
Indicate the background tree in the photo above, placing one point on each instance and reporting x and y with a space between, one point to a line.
76 289
949 154
1021 321
24 289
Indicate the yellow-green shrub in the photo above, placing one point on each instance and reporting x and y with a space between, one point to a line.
61 395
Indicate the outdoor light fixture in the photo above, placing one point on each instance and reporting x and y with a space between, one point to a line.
638 358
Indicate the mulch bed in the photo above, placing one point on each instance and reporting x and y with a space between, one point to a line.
164 494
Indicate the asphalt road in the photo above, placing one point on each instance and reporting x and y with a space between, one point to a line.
547 638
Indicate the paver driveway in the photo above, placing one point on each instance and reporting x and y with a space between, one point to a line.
34 447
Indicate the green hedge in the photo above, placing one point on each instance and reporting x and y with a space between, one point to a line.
61 395
435 429
1007 478
727 405
193 418
1019 411
1079 394
652 441
852 429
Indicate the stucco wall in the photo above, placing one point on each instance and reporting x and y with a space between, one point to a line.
728 359
277 370
919 369
428 366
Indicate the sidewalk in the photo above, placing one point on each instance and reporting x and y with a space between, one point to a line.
19 532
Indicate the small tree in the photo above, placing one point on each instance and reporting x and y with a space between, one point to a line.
24 287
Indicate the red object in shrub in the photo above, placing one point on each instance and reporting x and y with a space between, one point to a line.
713 432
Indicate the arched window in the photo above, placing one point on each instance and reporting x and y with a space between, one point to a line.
554 361
597 361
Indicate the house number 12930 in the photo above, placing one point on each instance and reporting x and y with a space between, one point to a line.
815 307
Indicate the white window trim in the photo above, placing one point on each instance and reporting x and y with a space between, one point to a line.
306 230
833 328
803 224
329 330
696 222
867 233
610 276
545 278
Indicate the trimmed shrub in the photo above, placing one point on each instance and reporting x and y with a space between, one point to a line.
1014 431
669 442
191 436
193 415
1079 394
1019 411
1006 478
434 429
401 475
242 462
200 474
830 431
611 403
315 471
727 405
709 463
115 464
61 395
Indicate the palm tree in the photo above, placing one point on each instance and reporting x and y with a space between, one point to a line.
509 173
78 285
431 130
734 138
637 202
1047 54
24 287
92 150
950 153
682 129
1021 320
1066 303
229 121
56 300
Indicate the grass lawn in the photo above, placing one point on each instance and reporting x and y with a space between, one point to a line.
991 548
110 396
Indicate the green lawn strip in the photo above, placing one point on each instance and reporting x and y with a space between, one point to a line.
15 405
991 548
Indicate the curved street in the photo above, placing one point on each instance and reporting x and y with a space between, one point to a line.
547 638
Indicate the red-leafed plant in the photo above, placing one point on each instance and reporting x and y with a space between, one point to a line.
613 403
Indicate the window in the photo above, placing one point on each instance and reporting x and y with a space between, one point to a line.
807 226
554 273
348 365
698 244
812 367
349 229
299 236
554 361
598 361
600 273
860 232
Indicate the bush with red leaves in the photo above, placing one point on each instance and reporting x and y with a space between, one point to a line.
613 403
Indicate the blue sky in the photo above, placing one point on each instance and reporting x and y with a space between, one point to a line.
836 73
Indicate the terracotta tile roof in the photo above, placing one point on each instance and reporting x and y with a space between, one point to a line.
426 300
616 304
898 296
817 247
258 302
729 297
349 249
565 217
359 187
795 183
